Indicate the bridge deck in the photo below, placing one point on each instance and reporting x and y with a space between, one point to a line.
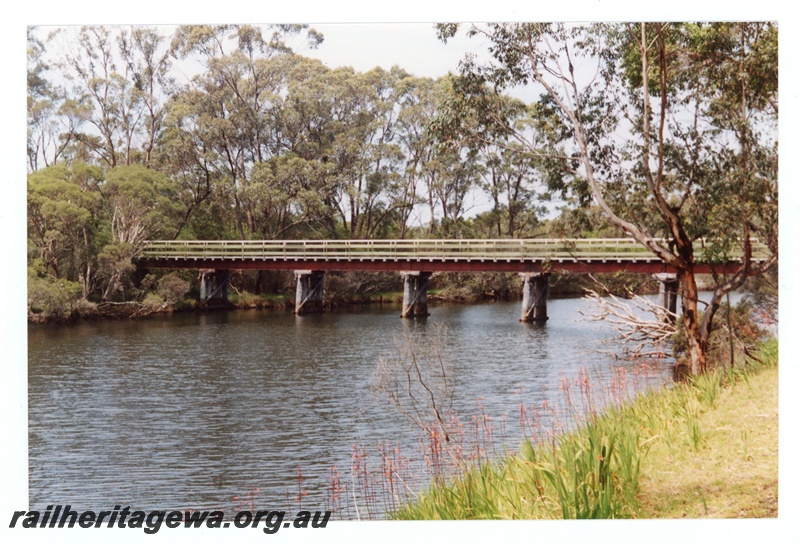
577 255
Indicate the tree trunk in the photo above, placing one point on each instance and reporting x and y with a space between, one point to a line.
111 288
694 339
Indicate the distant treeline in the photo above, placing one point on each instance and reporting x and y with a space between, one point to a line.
262 143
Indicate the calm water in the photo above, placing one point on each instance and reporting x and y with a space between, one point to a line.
190 410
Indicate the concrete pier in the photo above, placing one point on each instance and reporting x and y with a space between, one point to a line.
214 287
534 296
668 292
308 298
415 294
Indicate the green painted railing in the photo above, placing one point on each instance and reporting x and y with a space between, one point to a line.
580 249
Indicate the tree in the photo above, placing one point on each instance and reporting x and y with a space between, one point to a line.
53 118
366 151
148 65
226 120
285 194
346 121
418 99
510 178
142 205
649 131
64 209
450 176
106 95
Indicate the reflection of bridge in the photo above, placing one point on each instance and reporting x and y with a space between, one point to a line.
416 260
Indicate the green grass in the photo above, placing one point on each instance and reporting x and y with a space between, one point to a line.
734 472
705 448
245 299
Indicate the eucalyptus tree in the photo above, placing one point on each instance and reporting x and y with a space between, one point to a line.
368 156
284 192
510 178
734 66
345 121
433 175
141 204
670 128
224 120
417 100
53 117
182 154
64 211
149 64
450 176
106 91
41 103
438 174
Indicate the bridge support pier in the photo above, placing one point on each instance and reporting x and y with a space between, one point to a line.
534 296
214 287
668 292
415 294
308 297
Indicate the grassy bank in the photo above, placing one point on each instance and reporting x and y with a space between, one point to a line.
733 470
707 448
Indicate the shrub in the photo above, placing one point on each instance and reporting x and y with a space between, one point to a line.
153 302
171 289
52 297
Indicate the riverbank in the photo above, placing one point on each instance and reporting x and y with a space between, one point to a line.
707 448
447 288
343 290
236 301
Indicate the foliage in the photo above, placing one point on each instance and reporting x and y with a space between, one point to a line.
142 203
115 261
64 208
264 143
153 302
172 288
51 297
763 294
671 129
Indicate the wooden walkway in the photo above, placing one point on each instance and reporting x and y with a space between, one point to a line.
533 255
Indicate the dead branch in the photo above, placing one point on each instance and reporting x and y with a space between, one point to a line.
638 334
414 380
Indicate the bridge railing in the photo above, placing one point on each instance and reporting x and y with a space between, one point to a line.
622 249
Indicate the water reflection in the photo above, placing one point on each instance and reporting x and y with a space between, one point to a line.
190 410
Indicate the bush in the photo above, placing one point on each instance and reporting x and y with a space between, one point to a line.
153 302
52 297
244 299
469 287
85 308
171 289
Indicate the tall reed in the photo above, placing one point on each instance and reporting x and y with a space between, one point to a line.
592 471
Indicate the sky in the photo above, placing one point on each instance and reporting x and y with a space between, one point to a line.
363 46
412 46
415 48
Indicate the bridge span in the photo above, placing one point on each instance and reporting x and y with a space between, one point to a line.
533 259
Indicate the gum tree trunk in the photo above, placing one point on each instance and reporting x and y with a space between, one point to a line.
694 339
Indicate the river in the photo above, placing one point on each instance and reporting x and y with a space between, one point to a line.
188 411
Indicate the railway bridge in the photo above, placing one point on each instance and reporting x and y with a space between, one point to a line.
416 260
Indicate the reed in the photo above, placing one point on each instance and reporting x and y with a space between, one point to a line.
593 471
586 459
